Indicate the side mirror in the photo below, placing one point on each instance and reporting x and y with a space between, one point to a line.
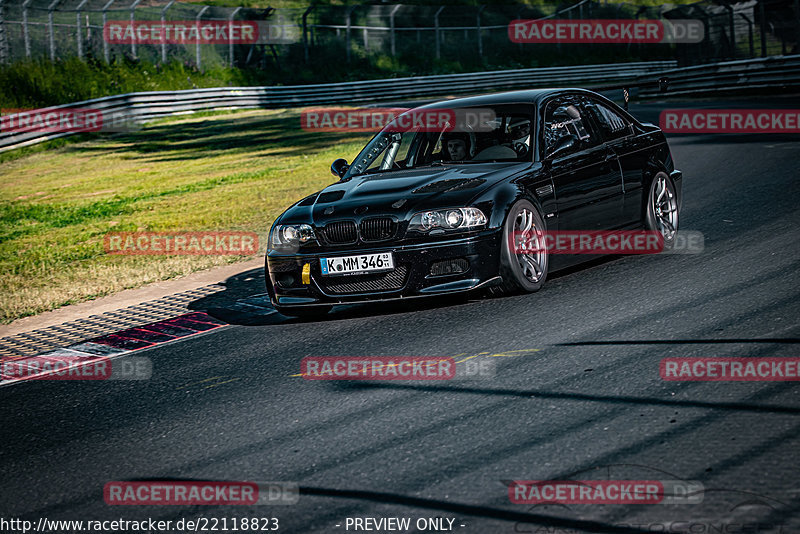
563 145
339 167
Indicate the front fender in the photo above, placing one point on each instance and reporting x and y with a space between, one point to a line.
536 188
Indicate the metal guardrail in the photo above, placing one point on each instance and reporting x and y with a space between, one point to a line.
776 73
729 76
144 106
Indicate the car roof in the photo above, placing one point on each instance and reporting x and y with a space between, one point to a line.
509 97
533 96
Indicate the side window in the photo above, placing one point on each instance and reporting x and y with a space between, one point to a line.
427 147
393 150
611 123
563 118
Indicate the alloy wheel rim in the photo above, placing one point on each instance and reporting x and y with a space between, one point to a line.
665 208
529 246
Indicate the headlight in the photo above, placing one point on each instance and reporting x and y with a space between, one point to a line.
450 219
291 236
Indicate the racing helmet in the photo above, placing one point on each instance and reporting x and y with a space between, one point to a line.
520 130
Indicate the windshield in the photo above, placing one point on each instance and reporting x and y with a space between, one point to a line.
475 135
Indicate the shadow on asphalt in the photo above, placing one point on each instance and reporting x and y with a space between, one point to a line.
244 302
348 386
569 525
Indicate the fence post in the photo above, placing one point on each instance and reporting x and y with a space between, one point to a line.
731 29
436 24
25 34
558 13
230 34
763 18
133 28
305 31
391 23
797 23
78 28
732 24
163 25
366 39
50 9
197 22
750 34
480 38
347 32
105 41
3 40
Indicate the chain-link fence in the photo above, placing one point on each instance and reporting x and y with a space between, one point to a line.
382 33
64 28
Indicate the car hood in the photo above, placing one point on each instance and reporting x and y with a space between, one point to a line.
401 193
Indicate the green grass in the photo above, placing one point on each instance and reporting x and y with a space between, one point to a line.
221 171
37 83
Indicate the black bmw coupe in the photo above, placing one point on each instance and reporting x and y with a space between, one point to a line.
427 211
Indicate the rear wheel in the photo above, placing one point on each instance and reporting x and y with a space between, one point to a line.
523 257
661 211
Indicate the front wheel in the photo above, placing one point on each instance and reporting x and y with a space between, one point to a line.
523 256
661 212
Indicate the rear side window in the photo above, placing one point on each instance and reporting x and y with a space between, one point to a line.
564 118
611 123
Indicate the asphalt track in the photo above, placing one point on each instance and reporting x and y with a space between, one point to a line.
588 404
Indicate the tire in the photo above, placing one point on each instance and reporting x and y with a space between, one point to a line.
661 209
523 228
311 312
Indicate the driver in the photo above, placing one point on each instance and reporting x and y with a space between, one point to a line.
456 145
520 133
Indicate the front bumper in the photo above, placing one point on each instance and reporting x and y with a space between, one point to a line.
411 277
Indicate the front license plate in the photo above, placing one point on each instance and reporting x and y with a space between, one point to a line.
363 263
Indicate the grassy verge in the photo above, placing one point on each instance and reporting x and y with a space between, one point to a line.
40 82
234 171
